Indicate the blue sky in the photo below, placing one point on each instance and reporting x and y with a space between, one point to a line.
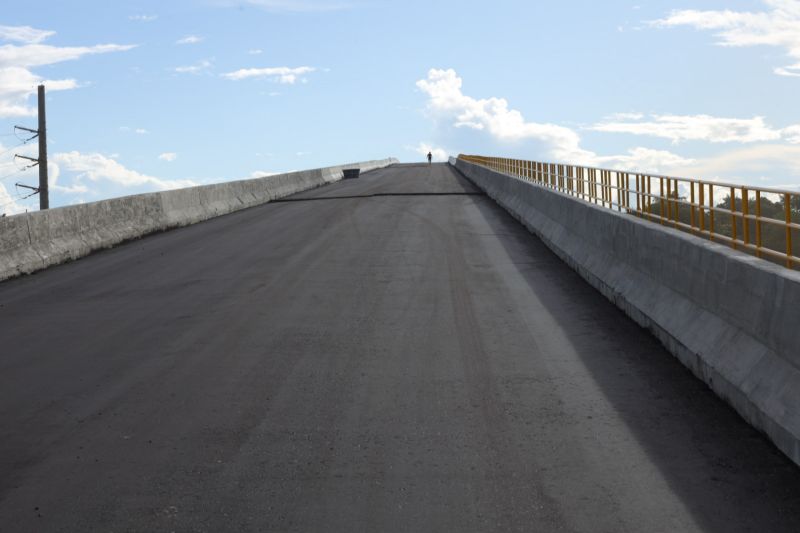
149 95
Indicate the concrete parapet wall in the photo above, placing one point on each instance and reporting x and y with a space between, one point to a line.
731 318
33 241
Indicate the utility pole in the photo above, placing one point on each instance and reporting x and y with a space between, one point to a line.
42 190
44 194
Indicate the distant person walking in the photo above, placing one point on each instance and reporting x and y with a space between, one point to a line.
430 157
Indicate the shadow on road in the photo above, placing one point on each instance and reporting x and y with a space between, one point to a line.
728 475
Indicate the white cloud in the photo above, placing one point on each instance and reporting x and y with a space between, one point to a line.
12 171
493 116
764 159
168 157
96 167
255 51
302 6
143 18
626 116
54 175
36 55
285 75
789 71
792 134
138 131
644 160
9 205
190 39
24 34
678 128
9 165
439 154
197 68
18 83
261 174
707 128
779 26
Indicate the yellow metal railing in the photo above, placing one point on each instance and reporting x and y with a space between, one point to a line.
759 220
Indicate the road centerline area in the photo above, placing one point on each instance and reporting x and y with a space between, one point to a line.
378 195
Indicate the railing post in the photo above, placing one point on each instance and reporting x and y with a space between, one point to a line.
711 212
627 192
676 206
758 223
745 220
702 207
582 184
669 201
570 172
603 191
787 200
733 217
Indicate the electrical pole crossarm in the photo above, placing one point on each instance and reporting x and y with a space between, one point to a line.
23 128
27 187
28 158
42 190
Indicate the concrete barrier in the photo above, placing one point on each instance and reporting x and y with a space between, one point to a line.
733 319
33 241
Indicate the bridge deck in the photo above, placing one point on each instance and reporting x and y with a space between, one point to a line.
368 356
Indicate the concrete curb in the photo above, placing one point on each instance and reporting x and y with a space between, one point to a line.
732 319
33 241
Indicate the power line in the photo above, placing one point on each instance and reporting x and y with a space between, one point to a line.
13 200
13 174
19 197
13 148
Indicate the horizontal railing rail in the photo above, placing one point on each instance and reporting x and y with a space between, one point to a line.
762 221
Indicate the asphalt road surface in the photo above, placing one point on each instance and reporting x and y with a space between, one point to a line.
392 353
